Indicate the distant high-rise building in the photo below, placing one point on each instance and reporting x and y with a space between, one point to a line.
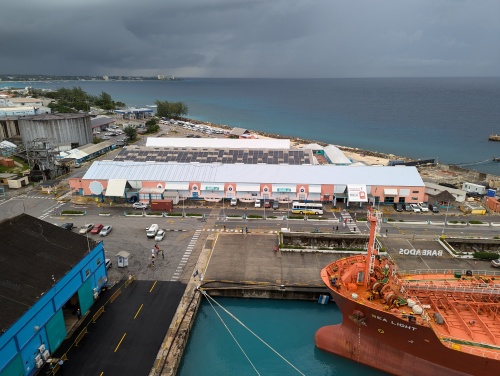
161 76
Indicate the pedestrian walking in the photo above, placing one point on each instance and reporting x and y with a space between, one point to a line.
337 228
343 224
350 220
354 230
224 228
386 231
246 230
162 254
78 313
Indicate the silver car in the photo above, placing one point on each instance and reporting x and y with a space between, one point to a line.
106 230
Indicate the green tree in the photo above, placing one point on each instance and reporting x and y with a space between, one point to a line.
152 125
131 133
171 109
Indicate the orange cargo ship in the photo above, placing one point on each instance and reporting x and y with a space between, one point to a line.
410 323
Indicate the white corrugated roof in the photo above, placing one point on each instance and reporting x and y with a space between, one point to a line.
74 153
336 156
219 143
241 173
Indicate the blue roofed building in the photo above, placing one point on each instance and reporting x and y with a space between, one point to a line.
47 273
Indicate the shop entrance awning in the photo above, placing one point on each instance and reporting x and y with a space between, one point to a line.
390 192
116 187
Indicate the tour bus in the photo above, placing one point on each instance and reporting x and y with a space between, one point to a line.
306 208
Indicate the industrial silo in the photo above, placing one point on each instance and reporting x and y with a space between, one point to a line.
63 128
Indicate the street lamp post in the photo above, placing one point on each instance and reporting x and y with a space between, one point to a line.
445 217
287 213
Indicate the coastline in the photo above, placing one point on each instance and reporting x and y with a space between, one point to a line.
434 173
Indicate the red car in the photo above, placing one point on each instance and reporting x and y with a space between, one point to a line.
96 229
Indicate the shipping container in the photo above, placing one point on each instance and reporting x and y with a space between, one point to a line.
162 205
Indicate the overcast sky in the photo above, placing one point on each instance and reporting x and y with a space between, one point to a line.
251 38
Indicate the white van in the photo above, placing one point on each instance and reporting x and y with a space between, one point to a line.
257 203
152 230
234 201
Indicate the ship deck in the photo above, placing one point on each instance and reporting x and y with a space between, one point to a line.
463 310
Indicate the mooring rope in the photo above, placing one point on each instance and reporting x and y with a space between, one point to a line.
234 338
247 328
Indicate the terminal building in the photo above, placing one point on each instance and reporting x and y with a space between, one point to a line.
151 180
47 273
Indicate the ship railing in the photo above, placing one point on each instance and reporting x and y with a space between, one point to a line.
461 272
473 348
455 289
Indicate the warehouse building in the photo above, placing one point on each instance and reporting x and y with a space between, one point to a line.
47 273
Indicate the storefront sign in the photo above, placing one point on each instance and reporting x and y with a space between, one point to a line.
357 193
211 188
283 190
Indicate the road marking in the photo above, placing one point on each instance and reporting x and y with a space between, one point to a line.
139 310
102 373
154 284
119 343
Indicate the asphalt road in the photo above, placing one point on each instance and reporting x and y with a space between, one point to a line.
127 336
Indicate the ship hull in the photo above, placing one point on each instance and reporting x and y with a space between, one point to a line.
396 346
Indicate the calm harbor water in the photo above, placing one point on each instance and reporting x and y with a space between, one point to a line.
287 326
445 118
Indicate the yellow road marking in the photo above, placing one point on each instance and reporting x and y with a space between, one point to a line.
102 373
139 310
119 343
154 284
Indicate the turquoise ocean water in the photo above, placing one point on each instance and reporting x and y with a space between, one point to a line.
287 326
445 118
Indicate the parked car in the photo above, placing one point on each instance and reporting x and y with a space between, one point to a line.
267 204
152 230
109 264
415 208
495 263
398 207
67 226
407 207
140 205
234 201
276 205
86 228
257 203
160 235
96 229
106 230
434 208
423 207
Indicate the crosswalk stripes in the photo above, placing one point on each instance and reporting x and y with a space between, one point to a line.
349 222
185 256
50 210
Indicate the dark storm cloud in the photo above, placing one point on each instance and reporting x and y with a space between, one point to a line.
251 38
